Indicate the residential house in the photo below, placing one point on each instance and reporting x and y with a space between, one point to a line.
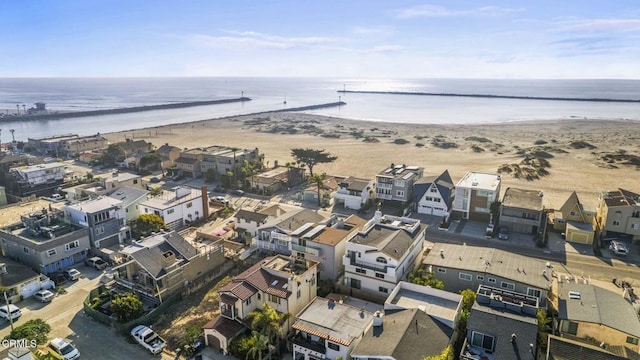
434 195
190 162
286 284
475 193
522 211
495 331
38 180
275 235
562 348
132 147
278 178
395 183
90 157
130 198
19 281
382 253
407 334
327 329
229 160
77 145
178 207
168 154
103 185
160 265
354 193
247 223
328 187
105 219
467 267
50 145
45 241
575 221
325 244
601 316
618 213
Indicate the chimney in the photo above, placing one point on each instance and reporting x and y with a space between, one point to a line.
205 201
377 217
377 319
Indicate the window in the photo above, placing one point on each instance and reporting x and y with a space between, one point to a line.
632 340
298 293
99 230
616 223
51 252
333 346
383 290
248 301
400 193
399 183
274 299
534 292
437 199
380 276
508 286
361 271
355 283
433 190
480 278
492 280
483 341
569 327
189 205
170 211
72 245
157 212
380 259
135 181
442 271
26 250
466 277
635 226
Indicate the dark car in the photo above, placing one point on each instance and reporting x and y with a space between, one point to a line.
219 189
503 233
58 278
154 180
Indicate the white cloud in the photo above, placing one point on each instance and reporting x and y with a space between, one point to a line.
250 39
384 49
372 30
600 25
428 10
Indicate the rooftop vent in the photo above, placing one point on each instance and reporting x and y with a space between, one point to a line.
574 295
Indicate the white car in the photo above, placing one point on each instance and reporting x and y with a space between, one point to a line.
10 311
63 349
618 247
489 231
44 296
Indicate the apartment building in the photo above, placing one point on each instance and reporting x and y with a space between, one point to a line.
474 195
395 183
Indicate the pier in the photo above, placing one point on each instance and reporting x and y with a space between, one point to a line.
312 107
74 114
489 96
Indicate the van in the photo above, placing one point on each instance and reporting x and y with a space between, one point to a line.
10 312
63 349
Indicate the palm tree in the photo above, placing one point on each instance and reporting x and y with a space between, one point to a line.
268 322
259 344
319 180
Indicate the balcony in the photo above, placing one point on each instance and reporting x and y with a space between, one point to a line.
228 313
388 186
316 346
379 267
384 196
305 249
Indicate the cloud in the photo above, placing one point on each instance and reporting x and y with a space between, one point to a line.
428 10
251 39
384 49
580 46
372 30
600 25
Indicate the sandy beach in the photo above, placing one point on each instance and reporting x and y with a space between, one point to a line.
584 155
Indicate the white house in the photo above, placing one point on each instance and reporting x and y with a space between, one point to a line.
41 174
434 195
383 253
475 193
353 192
105 219
178 207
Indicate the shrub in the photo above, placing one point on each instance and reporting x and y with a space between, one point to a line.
400 141
419 144
540 142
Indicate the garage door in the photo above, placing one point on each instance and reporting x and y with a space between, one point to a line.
213 341
30 289
578 238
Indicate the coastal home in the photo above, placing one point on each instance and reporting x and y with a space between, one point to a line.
18 280
90 157
75 146
382 253
178 207
618 213
286 284
562 348
277 178
132 147
327 329
598 315
158 266
247 223
168 154
325 244
354 193
189 163
104 185
395 183
434 195
229 160
326 190
577 223
497 329
522 211
104 218
45 241
50 145
276 234
38 180
475 193
467 267
130 198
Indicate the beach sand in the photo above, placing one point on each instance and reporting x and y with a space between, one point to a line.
588 156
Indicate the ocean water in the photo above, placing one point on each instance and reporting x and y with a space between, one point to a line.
76 94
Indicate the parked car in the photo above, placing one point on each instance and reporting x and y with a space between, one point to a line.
503 233
96 263
618 247
58 278
44 296
10 311
72 274
63 349
220 199
237 192
489 231
148 339
154 180
219 189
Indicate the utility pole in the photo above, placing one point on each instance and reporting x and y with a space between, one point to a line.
8 311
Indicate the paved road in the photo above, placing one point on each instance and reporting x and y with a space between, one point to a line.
68 320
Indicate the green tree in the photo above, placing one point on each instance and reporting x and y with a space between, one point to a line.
268 322
446 354
113 154
259 344
543 321
126 307
210 175
35 329
149 160
421 277
319 181
155 191
146 224
312 157
468 298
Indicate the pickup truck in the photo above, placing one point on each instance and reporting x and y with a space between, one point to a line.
148 339
96 263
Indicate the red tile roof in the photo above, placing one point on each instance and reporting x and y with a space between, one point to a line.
256 278
226 327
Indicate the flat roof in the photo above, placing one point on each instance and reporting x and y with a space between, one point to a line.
484 181
168 199
431 304
95 205
39 167
522 198
10 214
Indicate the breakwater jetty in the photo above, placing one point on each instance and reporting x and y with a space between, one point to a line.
75 114
311 107
489 96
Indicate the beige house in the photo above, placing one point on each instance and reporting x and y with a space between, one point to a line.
75 146
168 154
190 162
522 210
618 213
576 222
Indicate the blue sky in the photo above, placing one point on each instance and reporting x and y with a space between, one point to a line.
368 39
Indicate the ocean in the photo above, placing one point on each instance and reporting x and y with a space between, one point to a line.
76 94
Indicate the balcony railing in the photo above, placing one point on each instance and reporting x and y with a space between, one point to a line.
305 249
384 196
228 313
379 267
384 186
299 340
